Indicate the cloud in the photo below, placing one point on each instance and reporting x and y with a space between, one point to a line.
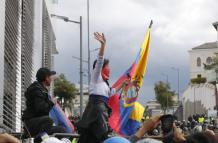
178 26
180 19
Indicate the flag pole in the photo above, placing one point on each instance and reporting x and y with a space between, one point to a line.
150 23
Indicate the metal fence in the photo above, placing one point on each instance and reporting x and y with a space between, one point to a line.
48 39
10 62
27 45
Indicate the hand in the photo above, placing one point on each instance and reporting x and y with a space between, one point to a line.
100 38
54 100
6 138
126 82
147 126
211 132
155 120
178 136
136 84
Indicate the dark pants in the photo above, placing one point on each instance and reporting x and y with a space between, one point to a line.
93 126
42 124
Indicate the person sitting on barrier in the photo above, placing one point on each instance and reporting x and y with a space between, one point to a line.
38 104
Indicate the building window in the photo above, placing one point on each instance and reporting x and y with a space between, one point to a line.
198 62
199 76
209 60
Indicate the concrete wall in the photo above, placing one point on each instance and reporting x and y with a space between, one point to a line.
198 99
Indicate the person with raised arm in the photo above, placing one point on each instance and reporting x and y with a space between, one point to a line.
93 127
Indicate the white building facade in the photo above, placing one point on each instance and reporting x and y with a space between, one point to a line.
200 98
153 108
199 56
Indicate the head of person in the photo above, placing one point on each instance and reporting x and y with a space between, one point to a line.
45 76
200 138
116 140
105 72
197 129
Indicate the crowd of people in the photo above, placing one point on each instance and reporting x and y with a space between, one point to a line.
194 124
141 136
177 136
93 125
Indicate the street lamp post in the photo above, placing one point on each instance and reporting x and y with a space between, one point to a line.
167 84
66 19
194 101
89 52
81 71
177 70
163 74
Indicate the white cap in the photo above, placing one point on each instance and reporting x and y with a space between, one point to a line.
65 140
52 140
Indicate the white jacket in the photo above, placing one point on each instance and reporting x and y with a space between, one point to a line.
98 86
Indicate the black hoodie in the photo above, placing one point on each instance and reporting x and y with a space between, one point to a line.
38 102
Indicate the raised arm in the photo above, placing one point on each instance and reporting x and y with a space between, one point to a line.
100 60
147 126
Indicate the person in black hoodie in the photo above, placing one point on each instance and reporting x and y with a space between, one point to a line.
38 104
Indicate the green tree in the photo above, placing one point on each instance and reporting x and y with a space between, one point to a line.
198 80
64 90
213 65
163 95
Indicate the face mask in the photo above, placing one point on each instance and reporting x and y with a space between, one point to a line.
105 73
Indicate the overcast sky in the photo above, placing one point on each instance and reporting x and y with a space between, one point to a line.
179 25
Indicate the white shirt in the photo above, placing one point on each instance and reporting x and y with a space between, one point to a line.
98 86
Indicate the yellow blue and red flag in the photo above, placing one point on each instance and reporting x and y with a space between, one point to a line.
126 111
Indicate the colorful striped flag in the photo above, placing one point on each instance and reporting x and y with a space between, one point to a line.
60 119
126 112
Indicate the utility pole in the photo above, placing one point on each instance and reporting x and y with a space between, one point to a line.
66 19
178 82
194 101
89 52
81 69
167 85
